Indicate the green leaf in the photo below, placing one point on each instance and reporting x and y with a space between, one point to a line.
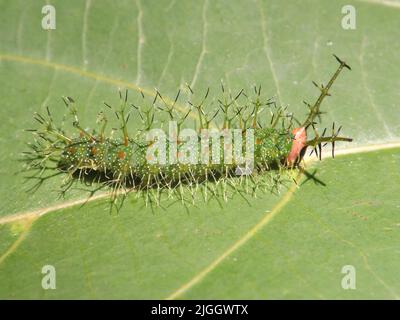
291 245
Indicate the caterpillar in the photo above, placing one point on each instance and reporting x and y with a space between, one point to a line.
254 138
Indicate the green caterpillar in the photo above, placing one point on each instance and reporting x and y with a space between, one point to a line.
182 161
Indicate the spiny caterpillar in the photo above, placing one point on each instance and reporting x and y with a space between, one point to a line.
207 160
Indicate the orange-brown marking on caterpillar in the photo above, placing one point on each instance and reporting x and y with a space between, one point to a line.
71 150
94 150
121 154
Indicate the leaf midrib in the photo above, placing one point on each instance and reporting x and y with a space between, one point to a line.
31 217
42 211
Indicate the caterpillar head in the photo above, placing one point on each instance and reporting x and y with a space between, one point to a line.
299 142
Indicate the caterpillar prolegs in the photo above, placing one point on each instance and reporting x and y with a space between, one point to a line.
252 148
